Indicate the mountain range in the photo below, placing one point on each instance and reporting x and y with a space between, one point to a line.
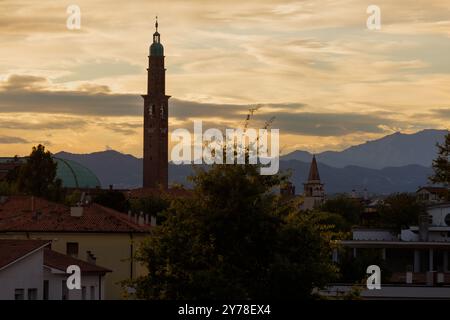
395 163
393 150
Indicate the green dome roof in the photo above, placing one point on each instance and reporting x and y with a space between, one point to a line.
157 49
74 175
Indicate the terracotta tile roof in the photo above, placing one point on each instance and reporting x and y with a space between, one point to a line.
60 261
436 190
16 214
148 192
12 250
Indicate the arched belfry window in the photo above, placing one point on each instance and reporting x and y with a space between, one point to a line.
156 37
151 110
162 112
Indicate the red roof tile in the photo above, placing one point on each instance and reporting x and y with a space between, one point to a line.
60 261
12 250
18 213
436 190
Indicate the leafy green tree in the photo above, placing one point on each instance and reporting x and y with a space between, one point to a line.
441 165
233 240
400 211
335 221
153 205
38 175
348 208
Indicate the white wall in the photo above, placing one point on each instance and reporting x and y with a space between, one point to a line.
439 214
368 234
24 274
55 286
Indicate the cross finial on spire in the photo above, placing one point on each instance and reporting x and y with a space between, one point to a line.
156 24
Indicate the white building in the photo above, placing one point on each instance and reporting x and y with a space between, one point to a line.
30 270
417 257
432 194
21 271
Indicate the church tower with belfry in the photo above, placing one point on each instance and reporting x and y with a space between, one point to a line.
156 124
314 193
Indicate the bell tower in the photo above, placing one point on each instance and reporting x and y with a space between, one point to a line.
314 193
156 104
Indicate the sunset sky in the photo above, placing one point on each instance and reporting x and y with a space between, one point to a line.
329 81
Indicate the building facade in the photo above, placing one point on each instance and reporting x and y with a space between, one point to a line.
30 270
89 233
416 259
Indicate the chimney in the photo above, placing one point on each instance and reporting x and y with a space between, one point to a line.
90 258
88 199
423 227
153 221
82 198
141 218
76 211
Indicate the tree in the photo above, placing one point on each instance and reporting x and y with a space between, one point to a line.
350 209
38 175
232 239
153 205
441 165
400 211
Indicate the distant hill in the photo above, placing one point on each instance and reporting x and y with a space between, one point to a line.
395 163
125 171
394 150
344 180
111 167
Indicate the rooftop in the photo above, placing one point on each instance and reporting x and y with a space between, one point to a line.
60 261
75 175
13 250
23 214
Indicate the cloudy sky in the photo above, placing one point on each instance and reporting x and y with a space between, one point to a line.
314 65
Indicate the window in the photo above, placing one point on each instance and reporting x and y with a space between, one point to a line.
72 249
152 110
447 219
32 294
45 297
64 290
92 293
83 293
19 294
